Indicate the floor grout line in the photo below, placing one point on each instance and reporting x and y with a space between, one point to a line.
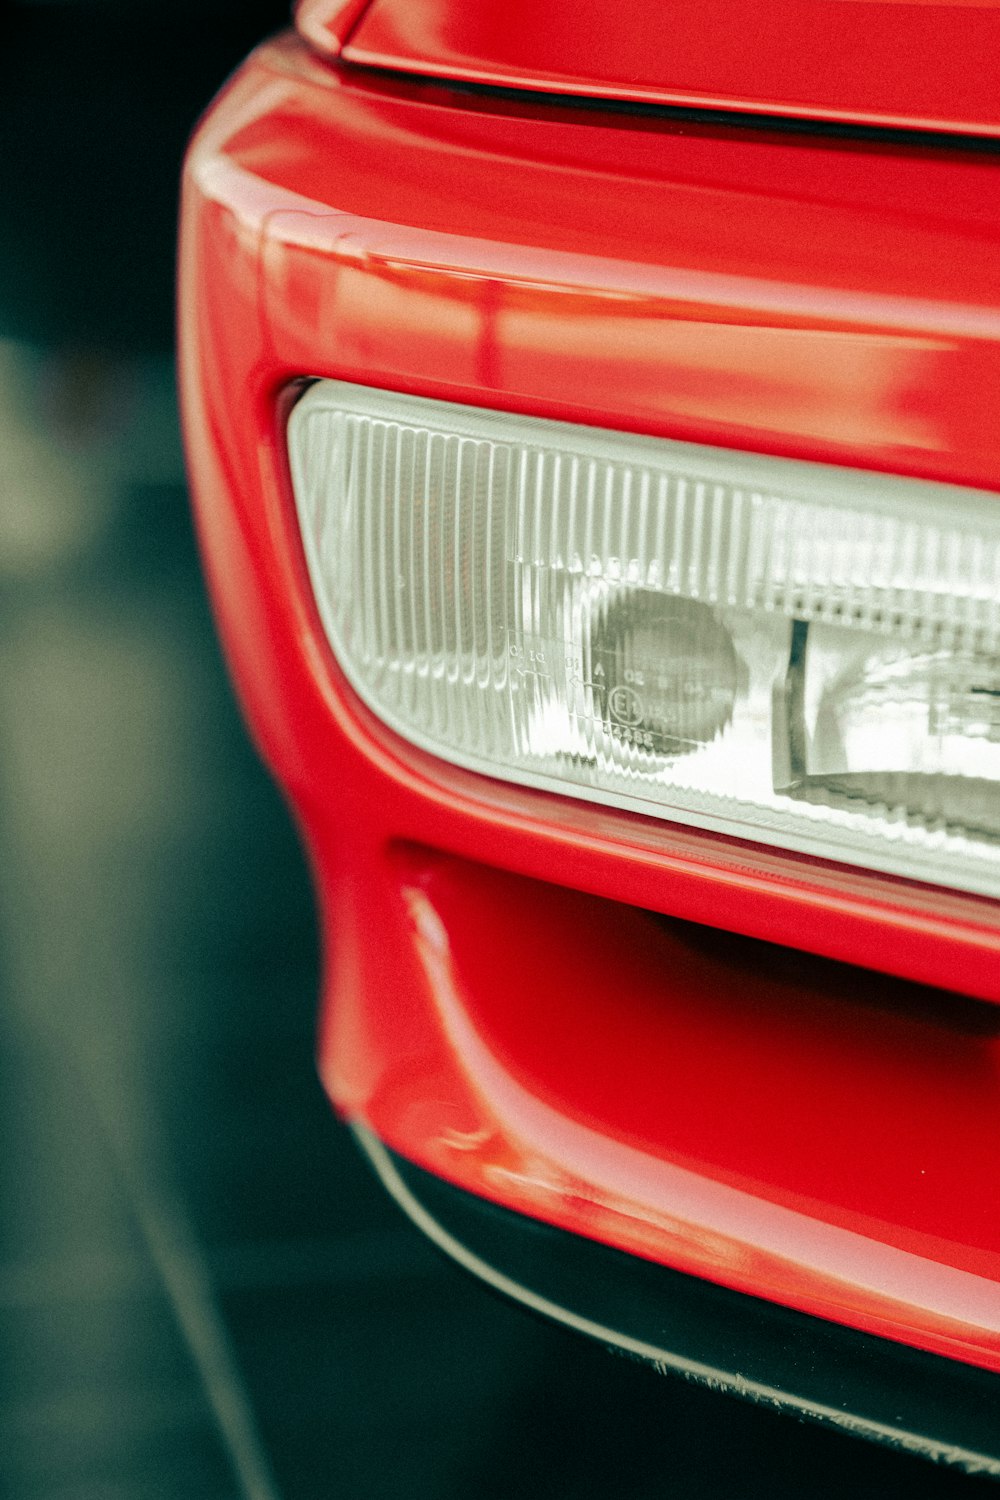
182 1268
173 1248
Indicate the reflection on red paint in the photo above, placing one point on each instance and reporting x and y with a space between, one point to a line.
499 1005
729 1109
905 63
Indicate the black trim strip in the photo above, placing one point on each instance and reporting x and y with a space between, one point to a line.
908 1399
916 136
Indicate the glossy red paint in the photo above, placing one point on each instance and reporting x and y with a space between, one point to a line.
925 64
602 1068
836 300
328 24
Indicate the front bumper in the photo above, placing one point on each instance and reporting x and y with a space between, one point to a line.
501 1007
911 1401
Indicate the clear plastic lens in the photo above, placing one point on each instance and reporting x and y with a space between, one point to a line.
873 723
803 656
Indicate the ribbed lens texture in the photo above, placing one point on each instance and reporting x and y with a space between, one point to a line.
796 655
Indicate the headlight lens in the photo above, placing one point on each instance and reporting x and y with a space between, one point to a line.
800 655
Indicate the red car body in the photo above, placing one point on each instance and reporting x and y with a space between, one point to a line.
773 1074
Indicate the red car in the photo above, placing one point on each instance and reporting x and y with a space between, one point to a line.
591 416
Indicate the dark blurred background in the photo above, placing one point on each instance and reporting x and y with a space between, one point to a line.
202 1293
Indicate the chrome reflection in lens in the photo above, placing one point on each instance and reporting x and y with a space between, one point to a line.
875 725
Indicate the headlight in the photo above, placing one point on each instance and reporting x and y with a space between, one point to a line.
795 654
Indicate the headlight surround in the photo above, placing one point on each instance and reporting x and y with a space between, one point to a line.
790 653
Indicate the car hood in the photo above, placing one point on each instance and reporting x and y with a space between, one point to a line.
911 64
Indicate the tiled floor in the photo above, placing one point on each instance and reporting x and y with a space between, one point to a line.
202 1292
